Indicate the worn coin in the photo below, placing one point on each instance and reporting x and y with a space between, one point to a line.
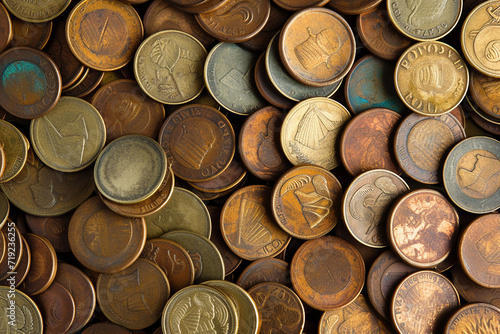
57 307
86 84
5 28
472 292
36 10
11 260
23 315
265 270
231 177
106 327
295 5
266 87
485 91
19 275
474 318
15 150
43 265
55 229
33 35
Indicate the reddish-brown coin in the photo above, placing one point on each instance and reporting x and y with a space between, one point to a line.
5 28
30 34
231 177
89 81
105 328
248 226
266 87
57 307
423 227
43 265
485 91
18 276
327 273
265 270
13 237
55 229
474 318
471 291
350 7
294 5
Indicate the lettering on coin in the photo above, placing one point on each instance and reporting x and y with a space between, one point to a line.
478 174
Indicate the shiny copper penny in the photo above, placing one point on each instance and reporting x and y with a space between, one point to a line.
81 289
134 297
317 46
10 263
106 327
5 28
173 260
471 291
103 240
365 143
199 140
17 277
30 82
423 227
227 24
265 270
475 318
366 204
248 226
33 35
354 7
104 34
43 265
422 302
266 88
485 92
233 175
57 307
279 308
89 82
327 273
55 229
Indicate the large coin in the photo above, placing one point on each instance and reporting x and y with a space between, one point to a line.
36 10
475 318
20 312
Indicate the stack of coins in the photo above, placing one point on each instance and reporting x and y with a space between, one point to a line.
257 166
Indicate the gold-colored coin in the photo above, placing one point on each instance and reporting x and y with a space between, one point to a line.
480 38
310 131
70 136
169 67
15 147
36 10
431 78
130 169
4 209
19 313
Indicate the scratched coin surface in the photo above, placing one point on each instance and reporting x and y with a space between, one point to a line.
311 130
306 201
423 227
431 78
327 273
485 91
474 318
248 225
366 204
26 314
265 270
36 10
471 174
472 292
57 307
421 302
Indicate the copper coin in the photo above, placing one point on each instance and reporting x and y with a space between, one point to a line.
81 289
366 203
11 261
327 273
18 276
421 301
385 274
134 297
248 226
485 92
227 24
199 140
279 308
365 141
477 251
43 265
173 260
233 175
423 227
104 34
89 82
103 240
5 28
422 142
30 34
31 83
265 270
379 35
15 148
481 122
200 6
317 46
3 247
355 7
471 291
4 209
57 307
295 5
55 229
105 328
459 114
306 201
475 318
2 161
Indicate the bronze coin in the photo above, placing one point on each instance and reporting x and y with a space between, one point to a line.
24 315
317 46
3 247
2 161
57 307
18 276
474 318
43 265
88 83
227 24
279 308
471 291
379 35
55 229
365 143
423 227
173 260
134 297
422 142
482 123
327 273
103 240
12 259
5 28
248 226
477 254
30 34
233 175
265 270
106 328
485 92
200 6
421 301
355 7
4 209
37 11
15 147
295 5
31 83
459 114
199 140
81 289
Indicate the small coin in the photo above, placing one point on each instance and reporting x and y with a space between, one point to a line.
327 273
478 317
485 91
15 150
33 35
421 301
23 308
10 262
471 174
43 265
5 28
133 297
265 270
57 307
431 78
38 10
471 291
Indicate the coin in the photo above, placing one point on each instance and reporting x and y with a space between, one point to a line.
471 291
86 84
33 35
14 255
471 174
310 132
106 327
4 209
199 140
485 92
421 301
5 28
17 277
2 160
197 6
354 7
479 38
55 229
230 178
265 270
103 34
134 297
266 87
70 136
327 273
317 46
422 142
43 265
168 66
366 203
15 150
37 10
57 307
431 78
21 313
294 5
478 317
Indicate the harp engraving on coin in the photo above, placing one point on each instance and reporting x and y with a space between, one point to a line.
251 230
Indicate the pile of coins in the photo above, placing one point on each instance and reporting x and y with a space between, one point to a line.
257 166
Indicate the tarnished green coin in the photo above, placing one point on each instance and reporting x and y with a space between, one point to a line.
19 313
